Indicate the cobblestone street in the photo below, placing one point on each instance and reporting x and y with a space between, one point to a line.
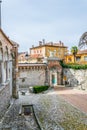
52 111
14 121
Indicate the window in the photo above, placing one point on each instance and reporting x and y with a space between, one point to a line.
40 51
34 51
65 53
0 53
78 58
6 53
1 58
69 59
6 70
51 54
85 58
59 52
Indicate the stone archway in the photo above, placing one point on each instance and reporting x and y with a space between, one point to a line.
54 73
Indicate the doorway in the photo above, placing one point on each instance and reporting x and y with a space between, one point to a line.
54 79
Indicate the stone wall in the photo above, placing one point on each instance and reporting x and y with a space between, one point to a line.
31 77
48 73
4 99
75 77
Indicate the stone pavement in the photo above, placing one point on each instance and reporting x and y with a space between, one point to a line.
13 121
76 97
52 112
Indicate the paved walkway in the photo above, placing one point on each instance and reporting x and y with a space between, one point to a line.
76 97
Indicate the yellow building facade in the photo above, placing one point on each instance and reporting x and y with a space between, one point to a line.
81 57
49 50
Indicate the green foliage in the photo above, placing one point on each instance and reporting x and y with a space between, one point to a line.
73 66
74 50
38 89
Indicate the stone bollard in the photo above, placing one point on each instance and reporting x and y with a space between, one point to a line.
31 89
23 93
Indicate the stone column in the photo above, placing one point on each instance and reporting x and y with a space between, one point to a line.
15 71
7 70
10 76
59 79
46 76
3 76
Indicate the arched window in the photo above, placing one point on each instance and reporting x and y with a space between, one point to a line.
6 62
6 53
1 58
1 52
69 59
0 73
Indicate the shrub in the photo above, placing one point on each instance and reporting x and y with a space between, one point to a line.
73 66
38 89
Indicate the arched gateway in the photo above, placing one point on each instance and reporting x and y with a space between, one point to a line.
54 72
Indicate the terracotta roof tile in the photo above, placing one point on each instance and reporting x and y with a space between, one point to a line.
82 52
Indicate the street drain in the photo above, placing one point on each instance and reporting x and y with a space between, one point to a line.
27 110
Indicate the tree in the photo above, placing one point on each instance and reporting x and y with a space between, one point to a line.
74 51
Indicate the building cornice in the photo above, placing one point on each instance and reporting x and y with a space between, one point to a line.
48 46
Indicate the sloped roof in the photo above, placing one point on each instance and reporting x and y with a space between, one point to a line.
50 44
82 52
6 36
10 41
15 43
19 53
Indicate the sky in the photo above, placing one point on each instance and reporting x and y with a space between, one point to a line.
29 21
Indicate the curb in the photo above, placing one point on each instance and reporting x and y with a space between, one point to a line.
36 119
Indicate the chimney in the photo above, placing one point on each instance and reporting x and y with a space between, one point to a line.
32 46
62 44
40 43
43 40
51 43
